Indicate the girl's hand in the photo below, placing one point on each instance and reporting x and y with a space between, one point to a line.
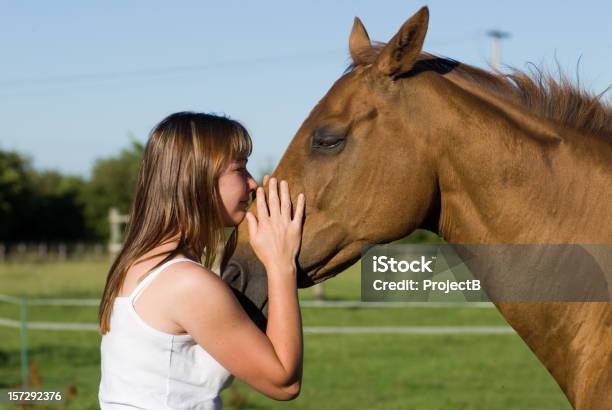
274 235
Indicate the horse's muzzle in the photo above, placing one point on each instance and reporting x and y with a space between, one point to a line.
247 278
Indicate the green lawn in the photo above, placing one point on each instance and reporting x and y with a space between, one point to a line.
340 371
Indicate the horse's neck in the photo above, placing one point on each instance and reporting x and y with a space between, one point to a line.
498 185
495 188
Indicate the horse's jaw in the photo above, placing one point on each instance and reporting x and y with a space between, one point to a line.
247 277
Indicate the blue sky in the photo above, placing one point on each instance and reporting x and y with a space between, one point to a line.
78 78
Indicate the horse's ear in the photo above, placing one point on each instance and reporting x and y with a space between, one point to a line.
402 51
359 43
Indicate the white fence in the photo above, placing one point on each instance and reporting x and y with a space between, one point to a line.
51 251
24 325
307 304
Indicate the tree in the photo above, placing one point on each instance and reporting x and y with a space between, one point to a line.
38 206
54 212
15 172
112 184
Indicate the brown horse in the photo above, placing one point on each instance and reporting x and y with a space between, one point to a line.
405 140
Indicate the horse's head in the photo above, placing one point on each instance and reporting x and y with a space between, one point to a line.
362 159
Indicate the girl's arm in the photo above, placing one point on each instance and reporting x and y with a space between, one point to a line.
209 311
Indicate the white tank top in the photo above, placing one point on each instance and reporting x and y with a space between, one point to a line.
145 368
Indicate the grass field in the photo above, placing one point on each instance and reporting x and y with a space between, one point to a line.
340 372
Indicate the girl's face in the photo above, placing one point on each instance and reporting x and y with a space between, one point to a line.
235 184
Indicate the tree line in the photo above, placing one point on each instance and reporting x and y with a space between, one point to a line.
48 206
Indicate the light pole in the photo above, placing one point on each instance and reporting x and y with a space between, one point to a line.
497 36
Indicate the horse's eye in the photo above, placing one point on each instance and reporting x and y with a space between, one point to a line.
328 143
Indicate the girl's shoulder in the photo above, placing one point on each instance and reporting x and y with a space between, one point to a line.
165 276
188 278
197 291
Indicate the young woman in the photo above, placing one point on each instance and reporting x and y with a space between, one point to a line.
174 334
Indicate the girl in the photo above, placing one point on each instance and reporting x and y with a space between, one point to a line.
173 332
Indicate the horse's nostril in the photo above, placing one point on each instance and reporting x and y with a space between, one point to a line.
304 281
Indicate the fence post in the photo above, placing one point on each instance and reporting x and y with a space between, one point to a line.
115 219
98 251
318 291
21 251
24 343
42 251
79 249
62 251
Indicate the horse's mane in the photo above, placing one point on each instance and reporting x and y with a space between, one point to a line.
556 98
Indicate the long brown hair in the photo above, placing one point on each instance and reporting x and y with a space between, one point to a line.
177 194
